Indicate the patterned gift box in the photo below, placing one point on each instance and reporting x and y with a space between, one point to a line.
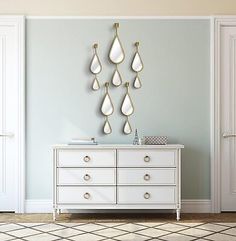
155 140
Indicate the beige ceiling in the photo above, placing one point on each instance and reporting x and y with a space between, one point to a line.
118 7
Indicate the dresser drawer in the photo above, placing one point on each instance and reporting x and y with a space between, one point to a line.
86 176
146 176
86 195
146 158
86 158
146 195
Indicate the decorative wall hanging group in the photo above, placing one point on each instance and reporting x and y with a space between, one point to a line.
116 57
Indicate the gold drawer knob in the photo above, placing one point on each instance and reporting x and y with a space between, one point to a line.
147 195
147 177
86 195
87 177
87 158
147 158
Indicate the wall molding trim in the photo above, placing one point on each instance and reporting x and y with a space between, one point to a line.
119 17
22 128
188 206
196 206
18 22
38 206
217 23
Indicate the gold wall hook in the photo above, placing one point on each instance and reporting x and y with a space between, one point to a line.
136 44
116 25
107 86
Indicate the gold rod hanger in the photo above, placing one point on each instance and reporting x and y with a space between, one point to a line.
116 26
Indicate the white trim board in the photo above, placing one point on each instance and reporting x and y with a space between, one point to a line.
188 206
196 206
21 160
22 126
180 17
212 107
216 25
122 17
19 23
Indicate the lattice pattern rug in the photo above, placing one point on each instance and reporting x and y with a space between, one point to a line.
140 231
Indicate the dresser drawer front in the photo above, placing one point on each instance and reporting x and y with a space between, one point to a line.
146 195
146 176
86 158
86 176
86 195
146 158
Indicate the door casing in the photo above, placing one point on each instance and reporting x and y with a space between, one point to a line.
216 24
18 22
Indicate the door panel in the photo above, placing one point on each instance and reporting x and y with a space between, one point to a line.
228 119
9 96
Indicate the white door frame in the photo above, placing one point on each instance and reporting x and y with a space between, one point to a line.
19 23
217 23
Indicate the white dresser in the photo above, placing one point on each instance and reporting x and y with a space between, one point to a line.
117 177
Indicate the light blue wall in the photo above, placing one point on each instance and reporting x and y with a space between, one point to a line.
173 101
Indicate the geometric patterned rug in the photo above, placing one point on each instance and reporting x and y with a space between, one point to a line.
135 231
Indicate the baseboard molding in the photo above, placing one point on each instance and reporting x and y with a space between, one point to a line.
196 206
38 206
188 206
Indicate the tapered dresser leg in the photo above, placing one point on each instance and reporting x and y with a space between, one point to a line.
178 214
54 214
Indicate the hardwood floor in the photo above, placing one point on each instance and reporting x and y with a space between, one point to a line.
118 217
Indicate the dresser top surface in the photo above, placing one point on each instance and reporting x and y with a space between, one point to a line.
118 146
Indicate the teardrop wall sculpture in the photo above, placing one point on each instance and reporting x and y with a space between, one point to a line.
95 65
127 107
107 109
107 127
95 68
95 84
116 53
116 56
127 127
137 66
137 82
116 78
